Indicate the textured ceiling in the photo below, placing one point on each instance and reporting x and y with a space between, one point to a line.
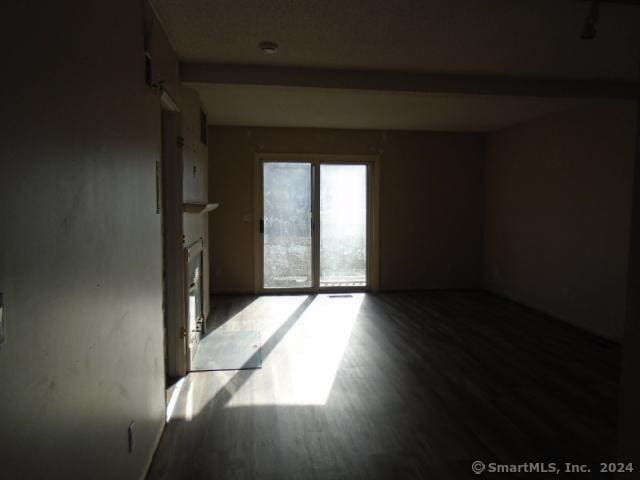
510 37
356 109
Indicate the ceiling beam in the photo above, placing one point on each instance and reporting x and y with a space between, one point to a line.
211 73
620 2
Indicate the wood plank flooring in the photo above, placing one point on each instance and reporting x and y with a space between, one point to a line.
396 385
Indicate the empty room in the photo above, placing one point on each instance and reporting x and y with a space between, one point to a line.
320 240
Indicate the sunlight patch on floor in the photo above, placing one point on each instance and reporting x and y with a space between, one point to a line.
264 314
302 367
175 394
299 366
200 389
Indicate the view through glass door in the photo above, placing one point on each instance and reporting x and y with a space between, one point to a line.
343 225
286 225
314 226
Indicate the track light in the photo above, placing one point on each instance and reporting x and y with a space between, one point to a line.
589 28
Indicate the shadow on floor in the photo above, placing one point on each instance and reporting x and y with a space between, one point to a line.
428 383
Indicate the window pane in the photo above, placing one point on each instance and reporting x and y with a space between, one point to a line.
287 225
343 225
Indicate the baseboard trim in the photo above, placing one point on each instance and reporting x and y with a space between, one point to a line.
519 302
434 289
156 445
553 316
231 291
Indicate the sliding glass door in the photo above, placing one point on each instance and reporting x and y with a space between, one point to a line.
343 225
287 225
314 226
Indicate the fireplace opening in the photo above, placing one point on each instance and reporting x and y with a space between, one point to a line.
195 301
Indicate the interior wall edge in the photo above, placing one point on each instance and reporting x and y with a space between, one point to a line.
550 314
156 443
84 356
629 415
557 213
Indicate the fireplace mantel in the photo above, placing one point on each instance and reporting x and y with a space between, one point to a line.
199 207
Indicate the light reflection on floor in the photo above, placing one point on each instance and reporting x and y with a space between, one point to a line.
301 357
302 367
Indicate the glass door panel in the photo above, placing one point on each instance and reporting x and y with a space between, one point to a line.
343 225
287 235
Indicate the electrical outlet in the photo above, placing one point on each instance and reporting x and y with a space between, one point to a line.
130 438
2 334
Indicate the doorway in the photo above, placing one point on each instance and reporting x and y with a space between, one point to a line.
316 223
173 253
182 265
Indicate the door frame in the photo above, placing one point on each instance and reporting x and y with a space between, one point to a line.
373 220
174 301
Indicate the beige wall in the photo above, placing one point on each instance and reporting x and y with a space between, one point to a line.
80 242
431 209
558 196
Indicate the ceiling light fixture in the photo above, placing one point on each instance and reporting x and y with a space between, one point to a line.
268 47
589 28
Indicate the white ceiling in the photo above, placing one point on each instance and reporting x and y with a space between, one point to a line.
510 37
359 109
513 38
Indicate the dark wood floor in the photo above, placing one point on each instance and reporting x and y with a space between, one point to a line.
398 385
